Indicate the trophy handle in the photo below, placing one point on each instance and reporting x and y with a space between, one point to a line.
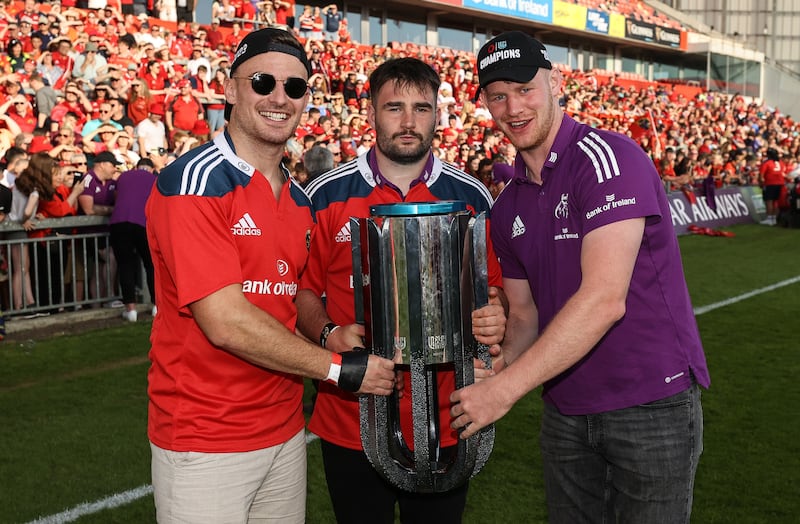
356 241
479 264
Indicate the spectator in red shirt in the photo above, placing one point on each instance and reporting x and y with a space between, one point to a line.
233 39
215 109
19 110
184 110
284 13
139 100
214 35
181 45
156 81
55 200
62 56
773 180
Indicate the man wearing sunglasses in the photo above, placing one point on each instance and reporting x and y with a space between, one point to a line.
399 166
228 231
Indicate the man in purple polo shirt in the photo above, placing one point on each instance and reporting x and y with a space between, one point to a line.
599 311
128 234
98 199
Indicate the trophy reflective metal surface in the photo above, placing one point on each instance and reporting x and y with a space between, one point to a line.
419 270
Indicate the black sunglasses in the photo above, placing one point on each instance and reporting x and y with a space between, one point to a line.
264 84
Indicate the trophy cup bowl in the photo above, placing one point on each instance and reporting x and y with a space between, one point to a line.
419 270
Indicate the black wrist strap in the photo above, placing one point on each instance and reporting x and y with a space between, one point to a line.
325 333
354 367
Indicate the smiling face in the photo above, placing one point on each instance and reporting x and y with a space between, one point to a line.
272 118
527 113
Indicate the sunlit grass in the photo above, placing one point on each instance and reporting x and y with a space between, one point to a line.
73 409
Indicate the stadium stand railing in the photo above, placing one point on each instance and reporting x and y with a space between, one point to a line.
57 263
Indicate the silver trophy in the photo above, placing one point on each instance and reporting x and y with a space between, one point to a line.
419 270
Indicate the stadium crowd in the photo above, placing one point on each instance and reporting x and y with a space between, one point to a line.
140 80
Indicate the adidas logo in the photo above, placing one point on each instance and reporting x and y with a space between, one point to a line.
518 227
246 227
344 234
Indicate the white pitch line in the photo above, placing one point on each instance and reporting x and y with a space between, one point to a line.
116 500
126 497
727 302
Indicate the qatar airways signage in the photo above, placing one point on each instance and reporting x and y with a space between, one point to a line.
537 10
732 206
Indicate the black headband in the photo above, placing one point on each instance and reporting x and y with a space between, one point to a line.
258 42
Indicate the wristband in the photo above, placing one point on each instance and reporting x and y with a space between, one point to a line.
329 328
354 367
335 370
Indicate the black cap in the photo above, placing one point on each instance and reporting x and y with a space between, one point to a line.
107 156
262 41
513 56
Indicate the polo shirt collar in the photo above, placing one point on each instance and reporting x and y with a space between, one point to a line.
381 181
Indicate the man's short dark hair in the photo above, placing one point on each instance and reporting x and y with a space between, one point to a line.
406 72
13 153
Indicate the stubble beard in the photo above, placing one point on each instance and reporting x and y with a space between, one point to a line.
544 122
402 155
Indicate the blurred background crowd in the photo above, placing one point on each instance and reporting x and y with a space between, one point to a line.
137 79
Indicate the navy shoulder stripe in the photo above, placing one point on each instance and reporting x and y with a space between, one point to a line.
299 196
337 185
454 184
203 171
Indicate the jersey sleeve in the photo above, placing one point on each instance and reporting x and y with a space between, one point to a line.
195 243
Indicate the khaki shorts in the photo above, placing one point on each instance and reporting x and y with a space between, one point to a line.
266 485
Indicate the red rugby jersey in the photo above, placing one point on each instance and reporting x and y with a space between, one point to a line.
213 221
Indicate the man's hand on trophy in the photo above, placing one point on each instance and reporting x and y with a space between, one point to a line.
489 321
345 338
350 338
483 371
379 376
475 407
359 372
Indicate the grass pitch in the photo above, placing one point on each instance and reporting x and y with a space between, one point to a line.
73 410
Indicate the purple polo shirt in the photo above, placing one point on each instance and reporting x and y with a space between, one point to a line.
591 179
133 190
103 194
